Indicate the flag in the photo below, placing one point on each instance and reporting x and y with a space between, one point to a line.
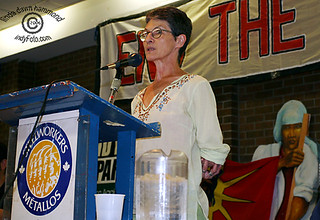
244 191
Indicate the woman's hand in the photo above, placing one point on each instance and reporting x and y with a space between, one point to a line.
209 168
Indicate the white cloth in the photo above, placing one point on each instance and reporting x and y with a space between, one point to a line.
186 110
305 177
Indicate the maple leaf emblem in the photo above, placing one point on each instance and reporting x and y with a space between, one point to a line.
22 169
66 166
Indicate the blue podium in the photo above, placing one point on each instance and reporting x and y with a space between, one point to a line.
98 121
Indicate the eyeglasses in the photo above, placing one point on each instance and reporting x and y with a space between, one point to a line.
155 33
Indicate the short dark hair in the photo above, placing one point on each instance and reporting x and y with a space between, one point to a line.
3 151
178 21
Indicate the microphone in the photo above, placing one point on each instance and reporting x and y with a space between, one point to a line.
134 60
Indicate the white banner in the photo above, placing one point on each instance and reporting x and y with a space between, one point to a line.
230 39
46 179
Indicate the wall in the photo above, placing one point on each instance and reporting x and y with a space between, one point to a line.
77 66
247 107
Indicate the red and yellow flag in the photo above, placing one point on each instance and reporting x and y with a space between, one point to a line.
244 191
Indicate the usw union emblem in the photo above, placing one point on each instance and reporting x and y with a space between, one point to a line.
45 171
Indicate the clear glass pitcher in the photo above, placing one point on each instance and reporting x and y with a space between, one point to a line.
161 186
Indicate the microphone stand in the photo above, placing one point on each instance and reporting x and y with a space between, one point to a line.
116 83
133 60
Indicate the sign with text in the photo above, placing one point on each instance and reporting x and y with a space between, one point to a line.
46 178
230 39
107 160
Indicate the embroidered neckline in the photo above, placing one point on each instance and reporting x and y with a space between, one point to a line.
143 111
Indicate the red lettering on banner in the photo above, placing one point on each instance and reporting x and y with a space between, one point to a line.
222 11
258 24
279 18
123 39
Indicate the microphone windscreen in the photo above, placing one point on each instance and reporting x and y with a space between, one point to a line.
134 60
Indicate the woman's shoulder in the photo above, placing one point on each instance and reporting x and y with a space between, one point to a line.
194 79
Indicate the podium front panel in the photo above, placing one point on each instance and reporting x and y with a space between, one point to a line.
45 184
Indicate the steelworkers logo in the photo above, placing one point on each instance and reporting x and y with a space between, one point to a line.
44 174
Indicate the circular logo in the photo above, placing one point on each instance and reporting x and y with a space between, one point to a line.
45 172
32 23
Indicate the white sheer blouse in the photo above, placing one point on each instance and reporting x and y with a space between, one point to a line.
186 110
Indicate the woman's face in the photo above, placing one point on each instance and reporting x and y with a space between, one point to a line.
291 135
163 47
